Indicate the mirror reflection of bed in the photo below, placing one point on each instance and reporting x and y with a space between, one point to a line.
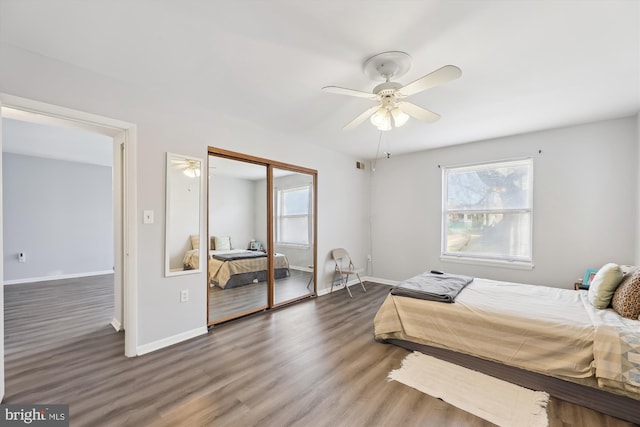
183 222
238 237
230 301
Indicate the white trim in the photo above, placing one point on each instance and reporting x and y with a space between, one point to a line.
116 325
301 268
336 287
2 387
166 342
327 291
92 122
56 277
355 281
380 281
514 265
504 260
130 239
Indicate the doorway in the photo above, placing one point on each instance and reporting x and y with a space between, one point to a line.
124 201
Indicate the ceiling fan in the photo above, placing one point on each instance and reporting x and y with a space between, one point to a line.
189 167
389 95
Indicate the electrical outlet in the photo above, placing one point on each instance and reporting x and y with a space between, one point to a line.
369 258
184 295
22 257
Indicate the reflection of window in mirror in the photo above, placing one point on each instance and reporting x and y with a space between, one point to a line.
293 230
182 240
293 219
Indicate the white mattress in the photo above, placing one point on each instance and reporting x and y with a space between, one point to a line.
538 328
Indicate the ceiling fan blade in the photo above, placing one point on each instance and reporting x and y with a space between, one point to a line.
436 78
176 164
361 118
349 92
418 112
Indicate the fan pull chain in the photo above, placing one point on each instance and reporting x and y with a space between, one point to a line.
375 160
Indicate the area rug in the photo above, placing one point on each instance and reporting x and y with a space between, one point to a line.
489 398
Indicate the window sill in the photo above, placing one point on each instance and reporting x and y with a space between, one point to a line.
514 265
293 245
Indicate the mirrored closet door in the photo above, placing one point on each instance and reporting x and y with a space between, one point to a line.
293 229
237 219
262 234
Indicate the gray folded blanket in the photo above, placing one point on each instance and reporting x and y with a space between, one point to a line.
433 287
239 255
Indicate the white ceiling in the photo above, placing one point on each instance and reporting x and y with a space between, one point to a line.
527 65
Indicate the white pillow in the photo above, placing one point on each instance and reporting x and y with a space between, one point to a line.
604 285
222 243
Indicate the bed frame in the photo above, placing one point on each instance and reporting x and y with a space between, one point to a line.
600 400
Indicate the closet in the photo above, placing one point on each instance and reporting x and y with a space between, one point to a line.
261 228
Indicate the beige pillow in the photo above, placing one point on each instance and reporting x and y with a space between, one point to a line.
195 242
626 299
222 243
604 285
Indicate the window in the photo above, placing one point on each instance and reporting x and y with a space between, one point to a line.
293 222
487 211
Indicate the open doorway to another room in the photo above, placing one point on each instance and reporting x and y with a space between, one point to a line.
60 190
58 225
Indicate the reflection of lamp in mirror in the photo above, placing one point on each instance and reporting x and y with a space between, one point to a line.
193 170
183 217
190 168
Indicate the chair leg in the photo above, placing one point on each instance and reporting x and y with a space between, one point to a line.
346 286
361 284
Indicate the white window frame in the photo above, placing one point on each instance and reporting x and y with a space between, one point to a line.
278 217
517 262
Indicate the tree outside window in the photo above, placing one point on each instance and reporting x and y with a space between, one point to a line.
487 210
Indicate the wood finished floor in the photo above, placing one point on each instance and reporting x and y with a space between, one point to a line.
229 301
313 364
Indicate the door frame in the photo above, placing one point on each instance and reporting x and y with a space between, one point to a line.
125 253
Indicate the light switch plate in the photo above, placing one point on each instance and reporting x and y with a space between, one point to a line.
148 217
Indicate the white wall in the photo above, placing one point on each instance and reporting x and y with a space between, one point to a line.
232 211
585 201
60 214
165 124
1 274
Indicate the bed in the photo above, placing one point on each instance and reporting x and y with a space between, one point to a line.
538 334
237 267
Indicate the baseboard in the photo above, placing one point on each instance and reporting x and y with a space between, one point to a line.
166 342
381 281
301 268
352 282
57 277
116 325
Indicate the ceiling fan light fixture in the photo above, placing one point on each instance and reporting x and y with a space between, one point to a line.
390 94
399 117
386 123
380 117
192 172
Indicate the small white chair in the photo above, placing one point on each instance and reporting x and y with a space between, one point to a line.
345 268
